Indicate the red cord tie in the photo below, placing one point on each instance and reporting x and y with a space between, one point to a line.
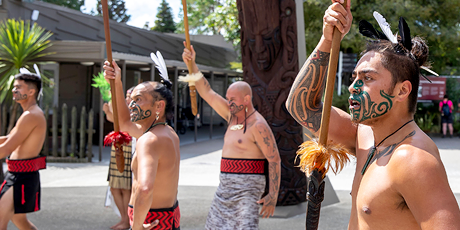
23 200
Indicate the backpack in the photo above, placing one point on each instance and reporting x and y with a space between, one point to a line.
445 109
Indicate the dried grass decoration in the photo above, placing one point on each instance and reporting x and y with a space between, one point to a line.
313 156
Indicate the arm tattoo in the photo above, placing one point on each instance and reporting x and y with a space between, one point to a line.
206 84
274 182
304 101
268 141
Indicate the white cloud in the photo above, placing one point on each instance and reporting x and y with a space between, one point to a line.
142 11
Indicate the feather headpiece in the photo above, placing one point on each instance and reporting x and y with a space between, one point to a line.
160 65
37 71
403 46
385 27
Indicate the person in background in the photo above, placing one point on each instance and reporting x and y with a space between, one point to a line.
120 183
446 107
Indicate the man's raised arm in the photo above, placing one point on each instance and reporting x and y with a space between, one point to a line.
124 119
304 101
217 102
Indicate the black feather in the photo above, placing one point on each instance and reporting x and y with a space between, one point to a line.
366 29
426 78
404 31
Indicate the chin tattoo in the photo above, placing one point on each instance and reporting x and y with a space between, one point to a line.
19 97
139 114
234 109
368 109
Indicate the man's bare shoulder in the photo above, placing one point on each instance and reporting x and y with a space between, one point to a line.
258 124
417 158
33 116
157 140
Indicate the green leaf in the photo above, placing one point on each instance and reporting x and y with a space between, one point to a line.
103 85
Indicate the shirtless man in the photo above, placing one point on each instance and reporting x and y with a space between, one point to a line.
20 192
405 184
155 164
248 143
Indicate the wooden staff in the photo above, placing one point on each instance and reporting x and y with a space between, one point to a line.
315 194
188 63
118 149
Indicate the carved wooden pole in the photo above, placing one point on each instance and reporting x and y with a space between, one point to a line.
118 149
189 67
316 186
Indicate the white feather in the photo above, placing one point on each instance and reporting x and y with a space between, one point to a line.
430 71
385 27
24 70
37 71
160 64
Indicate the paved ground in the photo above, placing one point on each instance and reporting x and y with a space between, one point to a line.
73 194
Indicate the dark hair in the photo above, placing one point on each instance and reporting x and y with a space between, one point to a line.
130 89
403 64
163 92
32 80
445 96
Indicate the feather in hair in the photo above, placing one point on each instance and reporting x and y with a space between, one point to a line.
366 29
429 70
385 27
405 34
37 70
160 64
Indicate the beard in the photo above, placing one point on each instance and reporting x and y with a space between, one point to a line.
18 96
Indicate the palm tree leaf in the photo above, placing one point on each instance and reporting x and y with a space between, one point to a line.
20 45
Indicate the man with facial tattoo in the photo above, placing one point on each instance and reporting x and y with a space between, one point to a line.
20 191
400 181
155 164
248 144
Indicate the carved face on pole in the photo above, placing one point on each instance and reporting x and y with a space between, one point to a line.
262 30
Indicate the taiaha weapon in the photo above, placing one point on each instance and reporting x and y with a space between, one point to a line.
188 63
316 157
115 137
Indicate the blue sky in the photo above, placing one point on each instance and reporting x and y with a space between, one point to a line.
141 11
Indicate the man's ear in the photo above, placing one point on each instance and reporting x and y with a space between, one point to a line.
161 104
31 92
404 89
247 99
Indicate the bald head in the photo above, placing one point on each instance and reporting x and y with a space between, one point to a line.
242 88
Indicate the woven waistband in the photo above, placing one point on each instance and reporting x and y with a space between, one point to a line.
26 165
242 166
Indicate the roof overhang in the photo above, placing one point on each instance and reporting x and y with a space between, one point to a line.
91 51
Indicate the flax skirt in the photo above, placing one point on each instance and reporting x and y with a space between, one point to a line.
116 179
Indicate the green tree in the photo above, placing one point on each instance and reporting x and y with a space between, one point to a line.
165 22
424 17
198 11
72 4
21 44
213 17
117 10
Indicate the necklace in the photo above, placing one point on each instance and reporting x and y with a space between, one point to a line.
371 153
153 125
240 126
